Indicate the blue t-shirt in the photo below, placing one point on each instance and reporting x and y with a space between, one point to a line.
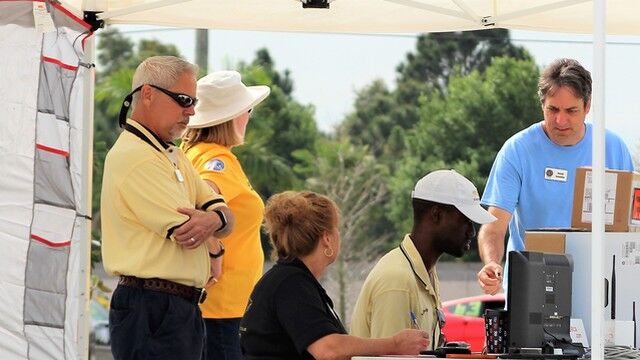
517 181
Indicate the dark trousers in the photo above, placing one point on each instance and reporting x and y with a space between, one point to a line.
146 324
223 339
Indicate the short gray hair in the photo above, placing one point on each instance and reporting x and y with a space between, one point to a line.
565 72
162 71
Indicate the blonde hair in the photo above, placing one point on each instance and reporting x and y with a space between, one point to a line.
162 71
296 220
222 134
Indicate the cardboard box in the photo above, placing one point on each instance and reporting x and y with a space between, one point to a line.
545 241
622 200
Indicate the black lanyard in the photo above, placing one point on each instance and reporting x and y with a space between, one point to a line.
433 336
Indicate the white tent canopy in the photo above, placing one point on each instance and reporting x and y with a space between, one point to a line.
357 16
349 16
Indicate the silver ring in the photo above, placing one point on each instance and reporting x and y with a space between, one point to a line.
193 240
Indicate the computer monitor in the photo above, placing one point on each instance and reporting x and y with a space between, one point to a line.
539 300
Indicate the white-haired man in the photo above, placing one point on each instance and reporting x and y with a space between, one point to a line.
157 218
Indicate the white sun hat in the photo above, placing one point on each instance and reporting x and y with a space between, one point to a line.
449 187
222 97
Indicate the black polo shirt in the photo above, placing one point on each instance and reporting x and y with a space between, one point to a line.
288 311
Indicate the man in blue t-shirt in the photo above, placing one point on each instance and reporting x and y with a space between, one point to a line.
532 178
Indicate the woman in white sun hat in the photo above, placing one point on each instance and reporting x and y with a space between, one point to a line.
219 124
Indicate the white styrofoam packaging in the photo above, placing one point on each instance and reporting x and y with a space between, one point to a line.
618 332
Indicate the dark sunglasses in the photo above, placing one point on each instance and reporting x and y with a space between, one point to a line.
183 100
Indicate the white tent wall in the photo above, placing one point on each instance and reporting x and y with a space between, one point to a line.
44 216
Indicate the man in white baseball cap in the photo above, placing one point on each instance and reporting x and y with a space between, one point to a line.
402 290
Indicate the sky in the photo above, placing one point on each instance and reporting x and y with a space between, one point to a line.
328 69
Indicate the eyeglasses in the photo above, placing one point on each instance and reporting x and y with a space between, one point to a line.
183 100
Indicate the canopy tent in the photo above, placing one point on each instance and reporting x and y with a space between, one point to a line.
357 16
351 16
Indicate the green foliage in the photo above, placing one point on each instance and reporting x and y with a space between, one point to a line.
269 173
464 129
279 126
440 55
114 50
423 75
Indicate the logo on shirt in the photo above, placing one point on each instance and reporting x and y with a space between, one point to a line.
214 165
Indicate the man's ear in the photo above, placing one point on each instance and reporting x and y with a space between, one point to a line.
146 95
435 213
587 106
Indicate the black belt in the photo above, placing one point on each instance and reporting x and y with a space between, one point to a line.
190 293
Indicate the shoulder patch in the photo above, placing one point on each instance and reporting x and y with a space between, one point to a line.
214 164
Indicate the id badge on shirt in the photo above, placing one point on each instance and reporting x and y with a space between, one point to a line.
554 174
179 175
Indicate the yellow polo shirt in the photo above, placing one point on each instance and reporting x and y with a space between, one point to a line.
145 181
392 290
243 259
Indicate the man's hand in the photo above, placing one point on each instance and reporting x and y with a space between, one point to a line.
216 271
197 229
490 278
491 250
214 246
411 341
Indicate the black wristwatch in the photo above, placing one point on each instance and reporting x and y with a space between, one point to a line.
223 219
219 253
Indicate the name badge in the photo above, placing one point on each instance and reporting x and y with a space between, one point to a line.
555 174
179 175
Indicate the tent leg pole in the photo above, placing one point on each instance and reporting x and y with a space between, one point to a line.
84 249
598 156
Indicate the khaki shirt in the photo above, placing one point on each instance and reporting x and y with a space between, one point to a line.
392 291
145 181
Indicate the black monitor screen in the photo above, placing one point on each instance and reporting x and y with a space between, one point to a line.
539 299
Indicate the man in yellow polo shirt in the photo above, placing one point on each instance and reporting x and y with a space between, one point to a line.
402 290
158 219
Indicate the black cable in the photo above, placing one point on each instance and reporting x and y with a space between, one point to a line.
577 345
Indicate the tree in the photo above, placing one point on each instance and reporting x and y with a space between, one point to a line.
465 128
439 55
353 178
424 74
279 127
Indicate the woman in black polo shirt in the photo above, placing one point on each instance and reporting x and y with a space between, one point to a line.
289 315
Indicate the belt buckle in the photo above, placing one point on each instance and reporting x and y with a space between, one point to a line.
202 296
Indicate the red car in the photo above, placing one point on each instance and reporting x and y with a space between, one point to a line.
465 321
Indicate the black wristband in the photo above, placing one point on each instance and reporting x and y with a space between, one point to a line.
219 253
223 219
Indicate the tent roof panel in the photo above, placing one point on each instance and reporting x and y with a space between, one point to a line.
371 16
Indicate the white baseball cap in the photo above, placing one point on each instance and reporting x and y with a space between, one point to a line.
449 187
